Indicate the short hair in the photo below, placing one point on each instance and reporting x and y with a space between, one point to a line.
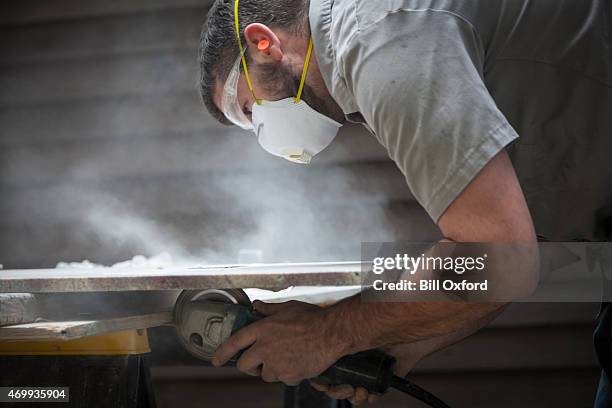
218 44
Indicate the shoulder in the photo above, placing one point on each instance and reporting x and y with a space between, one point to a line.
408 35
349 34
357 26
372 13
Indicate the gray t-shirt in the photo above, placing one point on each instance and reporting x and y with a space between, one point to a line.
445 85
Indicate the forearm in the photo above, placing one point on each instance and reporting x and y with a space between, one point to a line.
409 354
426 347
490 209
360 326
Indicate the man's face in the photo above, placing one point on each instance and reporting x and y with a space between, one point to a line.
272 82
276 74
269 83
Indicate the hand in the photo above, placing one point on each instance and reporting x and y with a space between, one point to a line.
295 341
407 355
356 396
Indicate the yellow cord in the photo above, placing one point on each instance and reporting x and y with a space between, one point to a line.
304 72
244 65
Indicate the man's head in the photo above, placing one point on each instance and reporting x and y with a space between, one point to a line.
275 72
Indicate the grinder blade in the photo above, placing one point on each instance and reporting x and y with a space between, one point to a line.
193 342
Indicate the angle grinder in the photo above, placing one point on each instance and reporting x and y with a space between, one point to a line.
204 319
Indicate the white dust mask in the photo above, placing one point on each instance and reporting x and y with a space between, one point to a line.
292 130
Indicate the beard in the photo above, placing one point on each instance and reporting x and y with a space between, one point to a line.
279 82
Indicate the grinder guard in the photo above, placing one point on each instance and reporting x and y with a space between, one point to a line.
206 318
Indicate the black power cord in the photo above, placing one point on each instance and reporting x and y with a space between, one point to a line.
373 370
417 392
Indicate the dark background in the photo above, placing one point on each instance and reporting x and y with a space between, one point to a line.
106 152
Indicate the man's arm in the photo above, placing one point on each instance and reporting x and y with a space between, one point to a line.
491 209
409 354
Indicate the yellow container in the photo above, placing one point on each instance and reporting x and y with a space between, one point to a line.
111 344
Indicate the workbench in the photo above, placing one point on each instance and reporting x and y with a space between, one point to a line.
79 343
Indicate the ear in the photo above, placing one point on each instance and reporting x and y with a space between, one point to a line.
264 45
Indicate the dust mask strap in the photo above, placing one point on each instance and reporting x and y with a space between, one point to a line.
242 51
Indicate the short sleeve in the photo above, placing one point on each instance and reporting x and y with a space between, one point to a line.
416 76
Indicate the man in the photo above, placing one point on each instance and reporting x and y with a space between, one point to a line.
447 86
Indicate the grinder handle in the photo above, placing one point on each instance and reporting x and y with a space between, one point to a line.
372 370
